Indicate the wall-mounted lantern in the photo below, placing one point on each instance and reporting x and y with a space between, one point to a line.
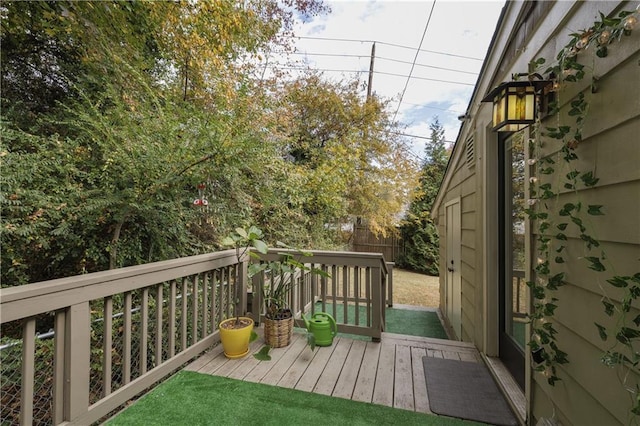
514 104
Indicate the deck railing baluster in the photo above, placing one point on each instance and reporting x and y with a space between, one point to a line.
172 318
184 315
159 323
28 371
205 302
58 367
107 345
144 330
126 364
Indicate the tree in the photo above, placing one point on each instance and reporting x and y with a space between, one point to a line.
102 155
418 231
117 133
345 146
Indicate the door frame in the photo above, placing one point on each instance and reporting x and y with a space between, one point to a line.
453 275
513 357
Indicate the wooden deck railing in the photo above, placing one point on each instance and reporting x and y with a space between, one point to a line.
116 333
355 294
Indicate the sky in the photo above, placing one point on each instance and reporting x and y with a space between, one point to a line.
452 49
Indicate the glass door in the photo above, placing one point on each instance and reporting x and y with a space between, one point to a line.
513 289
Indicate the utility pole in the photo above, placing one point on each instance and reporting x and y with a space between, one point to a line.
373 56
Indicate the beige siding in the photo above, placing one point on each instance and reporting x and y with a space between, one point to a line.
589 392
462 185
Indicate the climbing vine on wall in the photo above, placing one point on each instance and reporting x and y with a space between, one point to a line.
556 174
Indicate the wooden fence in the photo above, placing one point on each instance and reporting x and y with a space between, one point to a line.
365 241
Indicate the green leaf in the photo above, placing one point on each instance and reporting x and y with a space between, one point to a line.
636 320
608 307
601 331
253 336
261 246
311 340
594 210
263 354
242 232
562 226
595 264
320 272
559 259
602 52
617 281
228 241
578 222
557 280
255 268
560 236
567 209
626 334
588 179
591 242
549 308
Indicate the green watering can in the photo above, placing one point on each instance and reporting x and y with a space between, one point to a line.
323 327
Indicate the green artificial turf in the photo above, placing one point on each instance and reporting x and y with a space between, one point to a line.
192 399
401 321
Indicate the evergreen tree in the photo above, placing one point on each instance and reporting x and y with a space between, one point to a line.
418 231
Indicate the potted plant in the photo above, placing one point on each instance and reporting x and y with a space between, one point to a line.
236 333
283 275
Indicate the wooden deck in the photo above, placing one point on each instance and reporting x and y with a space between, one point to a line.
387 373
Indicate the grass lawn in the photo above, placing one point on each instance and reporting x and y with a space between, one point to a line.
190 398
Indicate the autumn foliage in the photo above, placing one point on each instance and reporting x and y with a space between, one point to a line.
117 116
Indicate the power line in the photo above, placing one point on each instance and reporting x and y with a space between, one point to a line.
388 44
343 55
406 84
376 72
453 111
427 66
420 137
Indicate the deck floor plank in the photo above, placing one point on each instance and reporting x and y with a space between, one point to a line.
285 362
293 375
383 390
311 375
367 376
347 379
420 396
329 377
403 379
388 373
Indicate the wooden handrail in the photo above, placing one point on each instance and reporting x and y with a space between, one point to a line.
159 329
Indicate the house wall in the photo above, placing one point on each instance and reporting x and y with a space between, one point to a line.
589 393
463 186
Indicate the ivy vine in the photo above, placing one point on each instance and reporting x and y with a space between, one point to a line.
552 174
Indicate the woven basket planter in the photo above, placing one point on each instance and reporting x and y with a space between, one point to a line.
277 333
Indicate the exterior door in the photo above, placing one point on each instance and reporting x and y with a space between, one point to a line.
513 292
453 277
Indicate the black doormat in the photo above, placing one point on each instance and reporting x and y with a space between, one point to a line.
465 390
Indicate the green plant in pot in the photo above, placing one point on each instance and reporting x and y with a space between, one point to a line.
281 277
236 333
